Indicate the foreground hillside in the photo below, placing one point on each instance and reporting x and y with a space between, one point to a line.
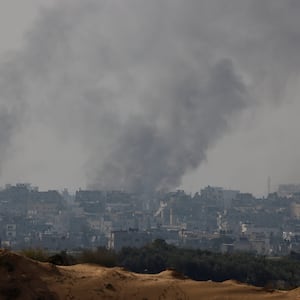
22 278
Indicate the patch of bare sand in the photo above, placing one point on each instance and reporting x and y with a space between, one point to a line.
22 278
36 280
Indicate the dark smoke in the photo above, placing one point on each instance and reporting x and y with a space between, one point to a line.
12 105
149 156
147 87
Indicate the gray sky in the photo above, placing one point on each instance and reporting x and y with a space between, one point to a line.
209 90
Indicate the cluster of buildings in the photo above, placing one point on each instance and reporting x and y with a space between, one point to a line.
215 219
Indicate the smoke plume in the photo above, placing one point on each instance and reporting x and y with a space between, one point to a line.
147 86
154 151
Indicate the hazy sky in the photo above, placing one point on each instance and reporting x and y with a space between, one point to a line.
92 92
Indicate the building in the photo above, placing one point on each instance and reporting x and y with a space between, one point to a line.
288 190
128 238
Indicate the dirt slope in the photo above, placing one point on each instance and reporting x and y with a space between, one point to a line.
22 278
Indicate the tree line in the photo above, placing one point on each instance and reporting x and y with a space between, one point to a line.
270 272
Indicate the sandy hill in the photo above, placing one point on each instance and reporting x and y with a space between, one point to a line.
22 278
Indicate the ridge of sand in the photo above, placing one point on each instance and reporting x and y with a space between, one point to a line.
23 278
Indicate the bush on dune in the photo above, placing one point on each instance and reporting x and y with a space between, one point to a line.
100 256
35 254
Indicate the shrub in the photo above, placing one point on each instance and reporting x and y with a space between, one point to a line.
101 256
36 254
62 259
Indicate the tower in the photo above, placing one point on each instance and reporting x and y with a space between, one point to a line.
269 185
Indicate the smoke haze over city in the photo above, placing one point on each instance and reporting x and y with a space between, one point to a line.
150 95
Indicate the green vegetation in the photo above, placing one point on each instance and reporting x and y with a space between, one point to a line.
101 256
61 258
36 254
279 272
283 273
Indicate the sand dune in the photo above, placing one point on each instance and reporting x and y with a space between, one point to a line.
22 278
